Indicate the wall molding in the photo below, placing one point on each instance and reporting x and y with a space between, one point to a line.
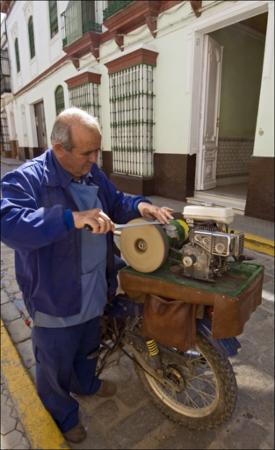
139 56
83 78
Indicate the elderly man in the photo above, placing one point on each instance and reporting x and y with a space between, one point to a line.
65 272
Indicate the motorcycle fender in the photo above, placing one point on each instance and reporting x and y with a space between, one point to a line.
228 347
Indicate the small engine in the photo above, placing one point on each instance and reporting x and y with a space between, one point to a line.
199 242
210 244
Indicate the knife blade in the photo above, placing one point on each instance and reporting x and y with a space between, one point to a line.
121 226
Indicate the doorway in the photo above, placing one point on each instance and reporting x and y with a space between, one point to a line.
230 89
40 126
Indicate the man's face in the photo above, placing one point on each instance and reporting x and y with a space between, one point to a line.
86 147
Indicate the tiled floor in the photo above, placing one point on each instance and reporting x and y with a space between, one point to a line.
231 190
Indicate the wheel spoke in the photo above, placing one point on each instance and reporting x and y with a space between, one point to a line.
202 394
191 400
193 390
203 378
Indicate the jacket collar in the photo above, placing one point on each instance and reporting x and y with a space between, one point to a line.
54 173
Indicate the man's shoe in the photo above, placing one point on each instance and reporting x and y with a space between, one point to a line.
76 434
107 389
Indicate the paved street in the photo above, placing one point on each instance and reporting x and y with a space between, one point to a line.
12 432
130 420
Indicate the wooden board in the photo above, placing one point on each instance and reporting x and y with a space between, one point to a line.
234 296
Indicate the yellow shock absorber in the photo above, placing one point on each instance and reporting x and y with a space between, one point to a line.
152 347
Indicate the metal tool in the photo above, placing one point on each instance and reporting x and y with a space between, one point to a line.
133 225
119 227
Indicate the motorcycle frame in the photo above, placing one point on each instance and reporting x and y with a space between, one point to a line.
122 307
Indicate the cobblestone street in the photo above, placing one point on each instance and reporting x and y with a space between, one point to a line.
12 431
130 420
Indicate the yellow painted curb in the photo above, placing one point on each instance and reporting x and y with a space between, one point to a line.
41 430
259 244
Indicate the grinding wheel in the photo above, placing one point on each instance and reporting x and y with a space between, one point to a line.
144 248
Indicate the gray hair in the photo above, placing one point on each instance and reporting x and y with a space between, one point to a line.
61 132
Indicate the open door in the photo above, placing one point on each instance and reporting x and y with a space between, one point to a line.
210 110
40 125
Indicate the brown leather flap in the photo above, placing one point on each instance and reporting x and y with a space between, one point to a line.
170 322
230 313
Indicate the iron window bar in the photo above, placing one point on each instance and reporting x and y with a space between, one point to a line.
86 97
132 121
79 18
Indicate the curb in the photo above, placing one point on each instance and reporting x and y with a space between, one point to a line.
40 428
259 244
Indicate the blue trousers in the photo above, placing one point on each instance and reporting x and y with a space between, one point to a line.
64 364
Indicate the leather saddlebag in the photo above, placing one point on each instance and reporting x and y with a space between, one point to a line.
170 322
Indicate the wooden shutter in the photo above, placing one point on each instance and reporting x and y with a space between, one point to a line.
31 37
53 17
17 57
59 99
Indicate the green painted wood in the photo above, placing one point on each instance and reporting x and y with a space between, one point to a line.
114 7
236 280
31 37
17 57
59 99
53 17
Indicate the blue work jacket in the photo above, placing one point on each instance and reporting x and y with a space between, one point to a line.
47 253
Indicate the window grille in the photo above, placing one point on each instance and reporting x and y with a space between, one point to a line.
79 18
86 97
131 98
5 67
5 72
59 99
17 55
53 17
4 139
31 37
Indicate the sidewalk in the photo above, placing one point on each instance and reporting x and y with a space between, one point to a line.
130 420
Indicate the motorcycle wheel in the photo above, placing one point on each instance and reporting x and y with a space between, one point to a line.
205 391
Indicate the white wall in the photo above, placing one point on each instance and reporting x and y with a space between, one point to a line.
172 76
264 139
105 109
47 50
44 90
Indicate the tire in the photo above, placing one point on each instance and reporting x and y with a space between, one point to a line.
188 370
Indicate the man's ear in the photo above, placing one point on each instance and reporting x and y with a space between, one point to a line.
58 150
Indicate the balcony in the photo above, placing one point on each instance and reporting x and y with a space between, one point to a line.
76 32
80 30
5 84
122 17
114 7
5 72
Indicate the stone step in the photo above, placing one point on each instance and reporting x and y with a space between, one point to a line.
238 205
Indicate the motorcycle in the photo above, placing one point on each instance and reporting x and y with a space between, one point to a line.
198 261
196 388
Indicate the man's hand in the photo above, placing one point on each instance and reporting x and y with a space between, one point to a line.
148 211
96 219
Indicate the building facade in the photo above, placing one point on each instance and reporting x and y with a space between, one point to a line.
183 91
